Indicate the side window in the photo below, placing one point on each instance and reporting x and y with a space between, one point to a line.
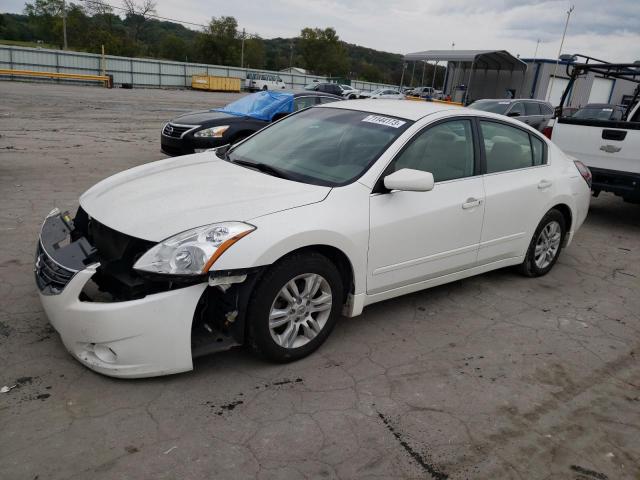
538 150
507 148
445 150
546 109
516 108
531 108
328 99
303 102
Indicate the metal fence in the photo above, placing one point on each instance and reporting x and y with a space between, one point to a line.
138 72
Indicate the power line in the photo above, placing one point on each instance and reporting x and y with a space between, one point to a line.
158 17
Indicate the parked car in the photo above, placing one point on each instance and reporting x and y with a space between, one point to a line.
344 91
263 81
599 111
201 130
349 92
253 243
385 93
535 113
424 92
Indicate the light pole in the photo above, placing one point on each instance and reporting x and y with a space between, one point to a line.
64 25
555 69
242 50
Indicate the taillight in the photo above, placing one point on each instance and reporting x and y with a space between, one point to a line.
585 172
546 131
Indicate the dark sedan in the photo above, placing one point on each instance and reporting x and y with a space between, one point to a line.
198 131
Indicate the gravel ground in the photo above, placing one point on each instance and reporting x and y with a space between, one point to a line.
497 376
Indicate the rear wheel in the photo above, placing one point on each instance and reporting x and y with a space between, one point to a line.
545 245
294 307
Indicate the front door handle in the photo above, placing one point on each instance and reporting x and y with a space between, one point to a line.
471 203
544 184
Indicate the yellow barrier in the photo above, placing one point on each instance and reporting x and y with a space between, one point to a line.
218 84
64 76
448 102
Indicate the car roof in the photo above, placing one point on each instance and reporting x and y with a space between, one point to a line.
396 108
309 93
511 100
599 105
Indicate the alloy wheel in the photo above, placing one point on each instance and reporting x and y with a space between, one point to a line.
300 310
547 244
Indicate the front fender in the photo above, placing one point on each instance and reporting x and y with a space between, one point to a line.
340 221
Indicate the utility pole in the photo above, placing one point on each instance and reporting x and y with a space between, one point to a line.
566 24
404 67
424 67
433 80
412 72
64 25
535 55
291 54
242 50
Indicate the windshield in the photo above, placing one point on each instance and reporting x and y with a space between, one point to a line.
493 106
322 146
594 113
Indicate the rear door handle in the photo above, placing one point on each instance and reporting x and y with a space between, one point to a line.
471 203
543 184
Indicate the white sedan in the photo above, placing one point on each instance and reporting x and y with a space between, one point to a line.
384 93
320 214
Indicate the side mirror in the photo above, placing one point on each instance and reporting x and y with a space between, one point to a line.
409 180
513 114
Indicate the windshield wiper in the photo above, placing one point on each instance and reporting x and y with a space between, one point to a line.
264 168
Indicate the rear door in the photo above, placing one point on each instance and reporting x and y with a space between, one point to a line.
518 185
415 236
533 115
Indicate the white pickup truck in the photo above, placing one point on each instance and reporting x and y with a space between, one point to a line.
610 148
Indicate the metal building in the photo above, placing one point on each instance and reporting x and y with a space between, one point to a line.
476 74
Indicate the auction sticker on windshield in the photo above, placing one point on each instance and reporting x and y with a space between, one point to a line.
387 121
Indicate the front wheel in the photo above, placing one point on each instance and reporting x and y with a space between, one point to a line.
294 307
545 245
265 88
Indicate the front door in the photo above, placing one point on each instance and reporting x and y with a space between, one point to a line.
416 236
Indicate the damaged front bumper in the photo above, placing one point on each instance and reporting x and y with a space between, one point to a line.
137 337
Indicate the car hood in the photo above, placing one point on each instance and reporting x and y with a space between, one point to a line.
161 199
201 117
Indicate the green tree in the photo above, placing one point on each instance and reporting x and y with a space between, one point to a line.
219 43
323 52
173 48
45 16
254 52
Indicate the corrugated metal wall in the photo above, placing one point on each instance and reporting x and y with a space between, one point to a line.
137 71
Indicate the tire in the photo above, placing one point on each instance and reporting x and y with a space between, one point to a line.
545 246
265 88
270 339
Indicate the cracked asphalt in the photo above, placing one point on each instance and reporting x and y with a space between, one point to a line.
494 377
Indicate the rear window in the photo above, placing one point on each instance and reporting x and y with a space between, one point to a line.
594 113
531 108
492 106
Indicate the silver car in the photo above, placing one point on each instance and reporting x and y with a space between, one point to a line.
535 113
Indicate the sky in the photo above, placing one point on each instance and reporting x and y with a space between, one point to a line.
605 29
